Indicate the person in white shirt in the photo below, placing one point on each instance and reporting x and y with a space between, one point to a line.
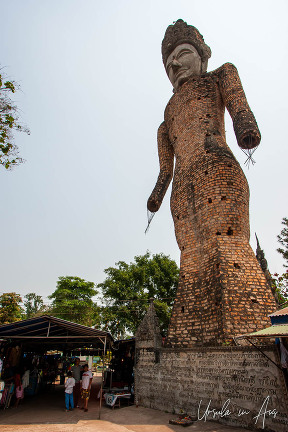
86 382
69 384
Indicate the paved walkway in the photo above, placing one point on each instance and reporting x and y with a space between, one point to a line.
46 413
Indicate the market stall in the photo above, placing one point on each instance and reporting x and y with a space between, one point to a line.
278 332
119 377
29 342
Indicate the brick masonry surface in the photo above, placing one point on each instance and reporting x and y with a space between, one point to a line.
222 290
240 379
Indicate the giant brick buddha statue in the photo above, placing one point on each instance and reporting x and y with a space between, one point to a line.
222 290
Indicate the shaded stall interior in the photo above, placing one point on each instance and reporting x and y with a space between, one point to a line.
120 373
119 377
28 342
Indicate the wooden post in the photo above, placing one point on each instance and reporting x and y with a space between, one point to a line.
102 376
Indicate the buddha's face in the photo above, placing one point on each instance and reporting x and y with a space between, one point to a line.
183 63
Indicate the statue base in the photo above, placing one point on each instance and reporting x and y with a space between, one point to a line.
236 386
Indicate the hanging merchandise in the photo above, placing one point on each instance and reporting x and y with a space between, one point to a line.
284 355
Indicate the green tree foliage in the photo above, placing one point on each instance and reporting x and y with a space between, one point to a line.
128 287
72 300
281 281
34 305
283 240
281 284
9 123
10 308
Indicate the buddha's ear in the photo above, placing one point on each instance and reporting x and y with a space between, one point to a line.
168 76
204 66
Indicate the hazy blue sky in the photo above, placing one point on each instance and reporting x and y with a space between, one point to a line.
93 94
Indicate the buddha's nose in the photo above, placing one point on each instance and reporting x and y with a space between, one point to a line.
175 64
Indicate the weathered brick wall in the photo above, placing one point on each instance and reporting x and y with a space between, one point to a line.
222 289
176 380
226 297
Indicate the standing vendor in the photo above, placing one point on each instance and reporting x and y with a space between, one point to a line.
76 373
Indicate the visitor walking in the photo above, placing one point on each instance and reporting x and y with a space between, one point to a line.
86 382
70 383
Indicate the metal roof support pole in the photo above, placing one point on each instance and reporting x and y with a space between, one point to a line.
111 373
264 354
48 331
102 378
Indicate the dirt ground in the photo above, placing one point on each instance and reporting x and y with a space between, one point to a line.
46 413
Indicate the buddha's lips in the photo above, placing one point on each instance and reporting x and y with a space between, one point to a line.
179 73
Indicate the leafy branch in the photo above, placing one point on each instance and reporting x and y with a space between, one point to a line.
9 123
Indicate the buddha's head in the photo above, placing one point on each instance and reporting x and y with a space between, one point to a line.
184 53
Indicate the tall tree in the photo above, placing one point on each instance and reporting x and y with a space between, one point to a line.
283 240
72 300
128 287
10 308
34 305
9 123
281 280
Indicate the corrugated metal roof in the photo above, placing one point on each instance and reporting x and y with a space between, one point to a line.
46 328
283 311
273 331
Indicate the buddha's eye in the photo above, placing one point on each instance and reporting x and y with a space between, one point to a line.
185 52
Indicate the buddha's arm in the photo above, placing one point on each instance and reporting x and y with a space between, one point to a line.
245 126
166 160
